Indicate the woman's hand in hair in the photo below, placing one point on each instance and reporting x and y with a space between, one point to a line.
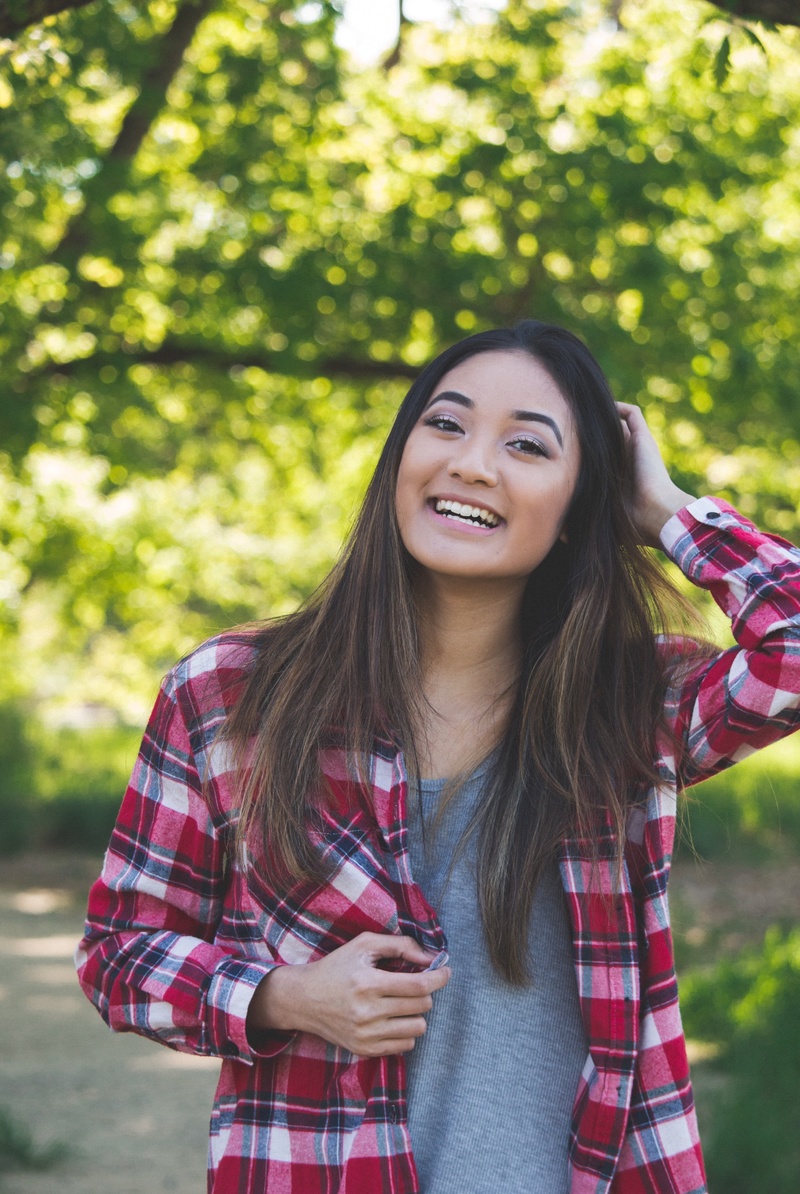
346 999
654 497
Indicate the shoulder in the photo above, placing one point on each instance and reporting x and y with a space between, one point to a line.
681 658
678 650
210 678
680 654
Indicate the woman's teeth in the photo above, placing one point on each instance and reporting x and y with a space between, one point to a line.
473 515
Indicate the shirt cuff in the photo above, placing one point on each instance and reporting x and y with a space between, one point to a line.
708 511
229 994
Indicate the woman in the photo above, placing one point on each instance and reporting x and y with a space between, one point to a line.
489 632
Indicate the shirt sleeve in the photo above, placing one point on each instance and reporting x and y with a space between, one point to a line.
724 707
148 959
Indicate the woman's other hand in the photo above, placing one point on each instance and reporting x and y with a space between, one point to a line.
654 497
348 1000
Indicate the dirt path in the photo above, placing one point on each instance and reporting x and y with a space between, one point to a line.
135 1115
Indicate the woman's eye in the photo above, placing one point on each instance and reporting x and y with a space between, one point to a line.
531 447
443 423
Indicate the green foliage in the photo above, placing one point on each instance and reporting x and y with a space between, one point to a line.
60 787
16 781
79 778
208 325
750 1006
735 31
19 1150
750 811
753 37
722 61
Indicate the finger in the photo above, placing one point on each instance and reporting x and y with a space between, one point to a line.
411 986
400 1027
632 417
386 1048
389 1036
396 1008
390 946
623 410
401 1046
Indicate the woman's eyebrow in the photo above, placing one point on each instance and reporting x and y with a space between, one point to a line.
532 416
524 416
452 396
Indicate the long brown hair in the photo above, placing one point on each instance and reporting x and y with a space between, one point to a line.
578 742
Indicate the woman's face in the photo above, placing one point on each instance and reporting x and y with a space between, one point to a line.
489 469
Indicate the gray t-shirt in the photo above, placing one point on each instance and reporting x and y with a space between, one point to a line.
492 1082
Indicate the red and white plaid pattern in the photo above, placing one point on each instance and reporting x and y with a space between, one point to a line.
178 936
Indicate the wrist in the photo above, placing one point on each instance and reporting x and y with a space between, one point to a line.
662 510
273 1005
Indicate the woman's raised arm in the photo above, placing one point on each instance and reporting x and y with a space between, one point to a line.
723 708
654 497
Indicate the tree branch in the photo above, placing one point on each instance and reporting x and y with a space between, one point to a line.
155 84
16 15
175 353
394 56
777 12
167 58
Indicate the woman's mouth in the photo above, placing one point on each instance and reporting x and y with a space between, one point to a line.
473 516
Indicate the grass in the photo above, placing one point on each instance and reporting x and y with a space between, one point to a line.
60 787
18 1149
80 777
747 1007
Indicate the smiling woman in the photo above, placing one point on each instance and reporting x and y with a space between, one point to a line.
405 851
493 459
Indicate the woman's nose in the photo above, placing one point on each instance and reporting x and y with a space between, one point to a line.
474 464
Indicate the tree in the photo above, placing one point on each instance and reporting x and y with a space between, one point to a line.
228 254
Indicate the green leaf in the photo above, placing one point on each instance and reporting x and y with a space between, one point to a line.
722 62
754 38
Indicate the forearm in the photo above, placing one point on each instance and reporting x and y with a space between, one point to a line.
724 706
179 990
754 577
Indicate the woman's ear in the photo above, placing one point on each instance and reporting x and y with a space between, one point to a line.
563 537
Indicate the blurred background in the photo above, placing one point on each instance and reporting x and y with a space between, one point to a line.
232 232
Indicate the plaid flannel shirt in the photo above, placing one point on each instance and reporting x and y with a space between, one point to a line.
178 936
